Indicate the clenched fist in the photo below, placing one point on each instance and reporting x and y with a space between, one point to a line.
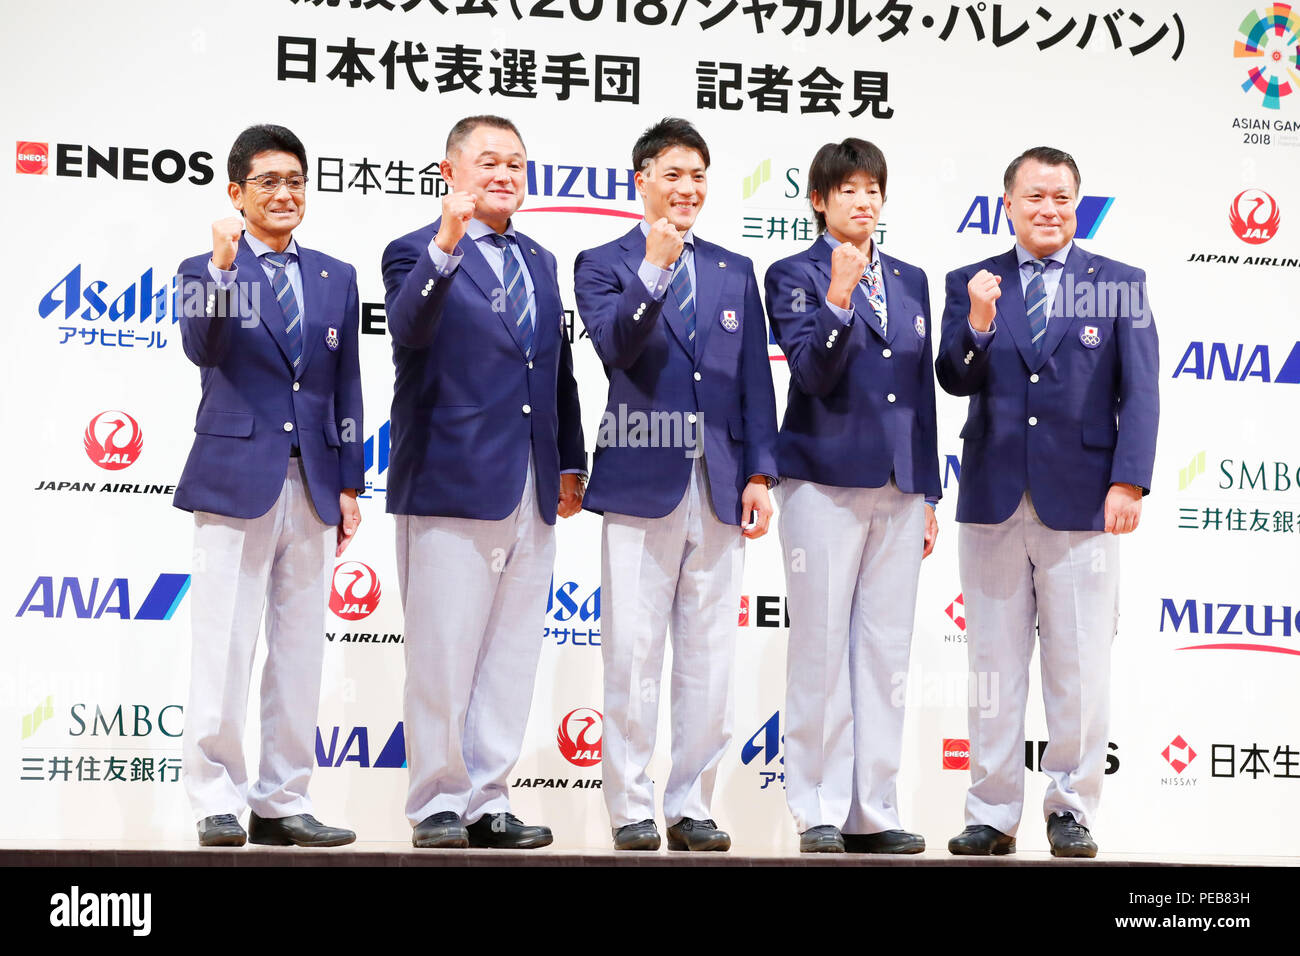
457 211
848 263
225 241
984 292
663 244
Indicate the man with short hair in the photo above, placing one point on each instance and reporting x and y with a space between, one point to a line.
486 449
1059 446
686 453
272 480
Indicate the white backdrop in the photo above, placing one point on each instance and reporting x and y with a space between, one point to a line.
148 96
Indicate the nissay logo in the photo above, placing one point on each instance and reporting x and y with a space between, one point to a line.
75 597
113 440
579 736
1254 216
1223 619
354 591
116 162
1178 754
987 216
1230 362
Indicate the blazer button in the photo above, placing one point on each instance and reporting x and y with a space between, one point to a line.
887 353
1033 419
698 376
829 343
296 386
528 409
1034 377
288 426
691 418
424 292
891 398
530 363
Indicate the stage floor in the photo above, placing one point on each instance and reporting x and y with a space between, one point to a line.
121 853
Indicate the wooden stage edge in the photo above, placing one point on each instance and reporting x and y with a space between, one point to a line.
70 854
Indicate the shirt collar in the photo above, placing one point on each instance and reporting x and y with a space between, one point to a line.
260 248
688 239
1059 256
875 249
477 229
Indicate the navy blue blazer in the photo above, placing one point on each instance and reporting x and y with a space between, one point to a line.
861 402
254 406
468 404
1067 421
724 383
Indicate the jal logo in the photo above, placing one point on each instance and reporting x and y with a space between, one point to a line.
956 612
354 591
956 754
1254 216
1178 754
113 440
33 158
579 735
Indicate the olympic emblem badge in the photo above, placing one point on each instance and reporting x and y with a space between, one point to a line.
1090 336
729 320
332 339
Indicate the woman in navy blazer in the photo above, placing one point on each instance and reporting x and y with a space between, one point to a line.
858 458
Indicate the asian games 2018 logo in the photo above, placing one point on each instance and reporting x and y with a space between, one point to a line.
1274 40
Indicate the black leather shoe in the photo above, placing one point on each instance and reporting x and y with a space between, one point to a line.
440 831
1069 837
886 841
637 836
301 829
688 834
982 841
505 831
823 839
221 830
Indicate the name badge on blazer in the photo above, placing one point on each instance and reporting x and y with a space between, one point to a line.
728 320
332 339
1090 336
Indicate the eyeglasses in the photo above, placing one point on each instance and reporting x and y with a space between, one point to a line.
269 183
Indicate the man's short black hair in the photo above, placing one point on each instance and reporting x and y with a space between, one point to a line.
262 139
1048 156
837 163
668 132
460 132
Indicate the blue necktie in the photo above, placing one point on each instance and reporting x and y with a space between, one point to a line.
283 289
516 291
876 295
1036 303
684 294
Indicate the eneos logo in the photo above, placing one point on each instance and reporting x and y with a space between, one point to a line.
1273 40
582 750
354 591
33 158
1178 754
744 611
113 440
956 754
1254 216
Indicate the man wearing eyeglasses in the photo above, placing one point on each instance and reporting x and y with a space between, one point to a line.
272 480
486 449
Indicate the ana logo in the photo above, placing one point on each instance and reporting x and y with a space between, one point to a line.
1254 216
582 750
1233 362
744 611
113 440
1178 754
33 158
356 748
956 754
354 592
987 216
957 611
1273 42
48 599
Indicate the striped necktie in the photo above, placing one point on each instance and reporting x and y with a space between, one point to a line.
512 274
876 294
1036 303
684 294
283 289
